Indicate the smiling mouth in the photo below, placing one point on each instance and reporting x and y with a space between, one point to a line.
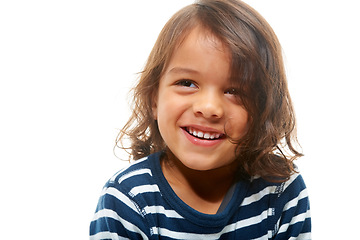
203 134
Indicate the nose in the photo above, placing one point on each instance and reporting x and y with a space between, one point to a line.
209 105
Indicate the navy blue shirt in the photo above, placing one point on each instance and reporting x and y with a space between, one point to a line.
138 203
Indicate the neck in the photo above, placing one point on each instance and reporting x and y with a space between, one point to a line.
198 187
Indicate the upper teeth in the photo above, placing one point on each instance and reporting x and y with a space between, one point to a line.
200 134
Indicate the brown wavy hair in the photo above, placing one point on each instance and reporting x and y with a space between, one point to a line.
267 150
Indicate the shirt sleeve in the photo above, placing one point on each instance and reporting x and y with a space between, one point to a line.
117 217
294 221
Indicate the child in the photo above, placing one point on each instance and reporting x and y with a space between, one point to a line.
211 122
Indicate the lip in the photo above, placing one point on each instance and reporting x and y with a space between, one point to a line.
203 142
203 128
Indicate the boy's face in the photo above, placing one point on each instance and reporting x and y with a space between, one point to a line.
196 104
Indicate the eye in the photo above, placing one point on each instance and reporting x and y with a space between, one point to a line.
186 83
234 94
232 91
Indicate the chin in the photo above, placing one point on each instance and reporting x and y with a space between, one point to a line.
200 165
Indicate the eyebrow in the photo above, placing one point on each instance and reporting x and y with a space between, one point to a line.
179 70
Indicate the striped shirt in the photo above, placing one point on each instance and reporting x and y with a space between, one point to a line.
138 203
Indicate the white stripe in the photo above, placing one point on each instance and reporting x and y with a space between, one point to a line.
112 179
106 213
292 178
134 162
277 226
144 189
246 222
161 210
121 197
112 214
298 218
229 228
265 237
294 202
182 235
135 173
270 189
302 236
257 196
107 235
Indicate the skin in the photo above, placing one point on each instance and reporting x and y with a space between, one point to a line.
195 94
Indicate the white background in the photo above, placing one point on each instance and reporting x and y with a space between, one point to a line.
66 68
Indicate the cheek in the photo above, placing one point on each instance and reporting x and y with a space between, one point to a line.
169 115
170 105
169 110
237 124
165 108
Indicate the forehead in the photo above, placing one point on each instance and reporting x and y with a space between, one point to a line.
200 50
201 36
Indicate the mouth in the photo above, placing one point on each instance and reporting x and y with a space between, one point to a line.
204 135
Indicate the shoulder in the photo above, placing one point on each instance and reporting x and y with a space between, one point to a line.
139 169
120 207
124 189
280 197
292 196
294 187
262 191
117 190
138 175
291 208
295 183
287 204
294 218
